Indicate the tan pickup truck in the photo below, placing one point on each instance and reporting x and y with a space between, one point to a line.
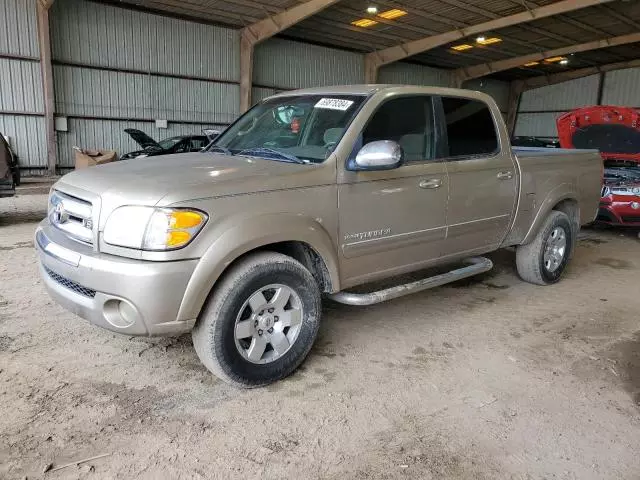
310 193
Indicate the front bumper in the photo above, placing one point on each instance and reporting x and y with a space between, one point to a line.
127 296
619 213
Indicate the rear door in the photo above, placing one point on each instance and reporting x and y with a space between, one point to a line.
393 221
482 176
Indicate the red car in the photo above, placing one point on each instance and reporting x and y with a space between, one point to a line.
615 131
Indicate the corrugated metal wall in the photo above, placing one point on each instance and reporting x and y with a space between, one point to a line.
115 68
497 89
21 103
562 96
98 134
19 32
287 65
540 108
622 87
107 94
27 137
93 34
411 74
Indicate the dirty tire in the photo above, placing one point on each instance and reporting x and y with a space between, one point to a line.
530 258
214 335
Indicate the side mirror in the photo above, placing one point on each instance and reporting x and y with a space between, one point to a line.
380 155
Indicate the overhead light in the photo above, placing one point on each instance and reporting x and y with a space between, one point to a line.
391 14
364 23
460 48
554 59
481 39
531 64
488 41
372 10
564 62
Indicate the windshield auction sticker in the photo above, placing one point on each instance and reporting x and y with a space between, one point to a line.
334 104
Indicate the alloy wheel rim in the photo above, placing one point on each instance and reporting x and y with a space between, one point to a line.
555 249
268 324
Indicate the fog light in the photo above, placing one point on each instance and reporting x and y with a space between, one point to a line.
635 205
119 313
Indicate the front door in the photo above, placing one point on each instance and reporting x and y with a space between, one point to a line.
394 221
482 178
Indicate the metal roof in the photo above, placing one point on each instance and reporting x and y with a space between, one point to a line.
332 27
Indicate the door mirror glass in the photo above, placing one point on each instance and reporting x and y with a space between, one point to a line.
379 155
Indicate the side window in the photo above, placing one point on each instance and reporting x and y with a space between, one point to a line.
197 144
408 121
471 130
182 147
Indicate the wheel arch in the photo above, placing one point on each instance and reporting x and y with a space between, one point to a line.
564 199
300 238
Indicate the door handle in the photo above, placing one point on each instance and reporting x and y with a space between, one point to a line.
505 175
431 184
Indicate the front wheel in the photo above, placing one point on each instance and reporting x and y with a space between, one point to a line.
260 322
543 261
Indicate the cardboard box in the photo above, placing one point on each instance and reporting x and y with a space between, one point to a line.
90 158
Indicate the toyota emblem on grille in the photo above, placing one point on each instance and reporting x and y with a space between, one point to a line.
60 215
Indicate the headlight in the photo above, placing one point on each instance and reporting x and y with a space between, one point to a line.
149 228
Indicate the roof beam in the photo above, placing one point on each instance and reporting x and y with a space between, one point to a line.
43 8
374 60
481 70
253 34
275 24
545 80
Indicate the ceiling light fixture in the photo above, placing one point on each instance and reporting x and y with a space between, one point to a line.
364 23
488 41
531 64
460 48
554 59
564 62
391 14
481 39
372 10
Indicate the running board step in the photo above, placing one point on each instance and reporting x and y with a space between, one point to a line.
475 266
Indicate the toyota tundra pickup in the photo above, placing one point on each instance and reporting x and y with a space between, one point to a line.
309 193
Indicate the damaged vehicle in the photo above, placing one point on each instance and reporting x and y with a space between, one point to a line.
151 148
615 131
310 193
9 171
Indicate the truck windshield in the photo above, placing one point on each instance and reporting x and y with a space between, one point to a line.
302 127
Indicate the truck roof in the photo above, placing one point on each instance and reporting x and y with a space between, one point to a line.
364 89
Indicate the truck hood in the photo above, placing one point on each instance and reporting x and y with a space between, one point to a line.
168 179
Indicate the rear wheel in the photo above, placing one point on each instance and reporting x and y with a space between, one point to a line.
260 322
544 259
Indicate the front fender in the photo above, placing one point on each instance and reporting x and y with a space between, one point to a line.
235 238
564 191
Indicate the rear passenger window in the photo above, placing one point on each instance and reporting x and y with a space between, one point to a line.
408 121
471 130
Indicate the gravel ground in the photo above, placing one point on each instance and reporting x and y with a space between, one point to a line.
487 379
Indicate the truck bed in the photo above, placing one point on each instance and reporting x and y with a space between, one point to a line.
552 173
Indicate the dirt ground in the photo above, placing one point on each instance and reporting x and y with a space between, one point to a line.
488 379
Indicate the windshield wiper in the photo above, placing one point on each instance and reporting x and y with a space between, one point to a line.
270 153
219 149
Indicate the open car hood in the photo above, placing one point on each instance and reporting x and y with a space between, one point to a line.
614 131
142 139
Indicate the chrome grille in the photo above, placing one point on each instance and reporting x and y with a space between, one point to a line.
70 284
72 215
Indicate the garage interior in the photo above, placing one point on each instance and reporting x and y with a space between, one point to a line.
485 378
